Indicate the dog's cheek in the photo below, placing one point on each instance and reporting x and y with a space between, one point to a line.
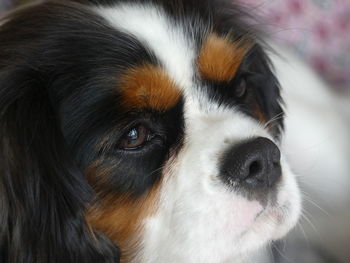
121 217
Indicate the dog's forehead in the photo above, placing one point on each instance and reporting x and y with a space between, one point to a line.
187 49
158 33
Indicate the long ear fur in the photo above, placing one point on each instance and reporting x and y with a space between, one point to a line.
43 194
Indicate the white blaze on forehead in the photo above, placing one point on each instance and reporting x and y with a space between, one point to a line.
150 25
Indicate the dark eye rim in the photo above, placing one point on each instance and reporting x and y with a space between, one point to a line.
241 88
151 136
242 79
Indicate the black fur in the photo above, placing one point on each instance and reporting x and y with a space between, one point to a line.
43 192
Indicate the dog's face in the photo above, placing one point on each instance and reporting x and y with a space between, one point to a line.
171 115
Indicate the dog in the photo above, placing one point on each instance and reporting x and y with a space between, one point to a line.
139 131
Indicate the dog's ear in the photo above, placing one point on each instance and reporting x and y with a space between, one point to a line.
43 194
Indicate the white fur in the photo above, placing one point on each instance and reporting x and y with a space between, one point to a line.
198 218
155 30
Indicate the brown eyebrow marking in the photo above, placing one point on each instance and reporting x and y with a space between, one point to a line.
220 57
149 86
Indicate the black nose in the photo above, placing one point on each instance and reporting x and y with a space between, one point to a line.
254 163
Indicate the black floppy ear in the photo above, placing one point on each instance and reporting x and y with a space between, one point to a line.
43 195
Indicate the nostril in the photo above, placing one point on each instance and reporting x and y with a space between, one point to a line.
254 168
276 164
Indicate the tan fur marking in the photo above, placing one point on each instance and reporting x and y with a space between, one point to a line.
97 174
261 116
120 219
149 86
220 58
259 113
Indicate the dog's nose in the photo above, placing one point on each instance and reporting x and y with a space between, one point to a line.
254 163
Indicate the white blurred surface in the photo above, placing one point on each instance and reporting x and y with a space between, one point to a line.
317 145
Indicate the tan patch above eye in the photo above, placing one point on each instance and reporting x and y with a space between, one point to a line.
148 86
220 58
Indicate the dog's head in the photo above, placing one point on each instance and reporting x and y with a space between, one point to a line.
148 125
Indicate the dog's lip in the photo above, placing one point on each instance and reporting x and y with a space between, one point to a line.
259 214
274 211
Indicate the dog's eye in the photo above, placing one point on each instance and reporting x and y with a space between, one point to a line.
135 138
241 88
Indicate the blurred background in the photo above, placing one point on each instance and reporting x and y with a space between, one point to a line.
315 36
317 30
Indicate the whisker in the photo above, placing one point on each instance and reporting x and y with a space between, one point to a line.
273 119
304 234
308 199
304 215
311 185
281 254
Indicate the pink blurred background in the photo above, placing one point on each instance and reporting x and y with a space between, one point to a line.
318 30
